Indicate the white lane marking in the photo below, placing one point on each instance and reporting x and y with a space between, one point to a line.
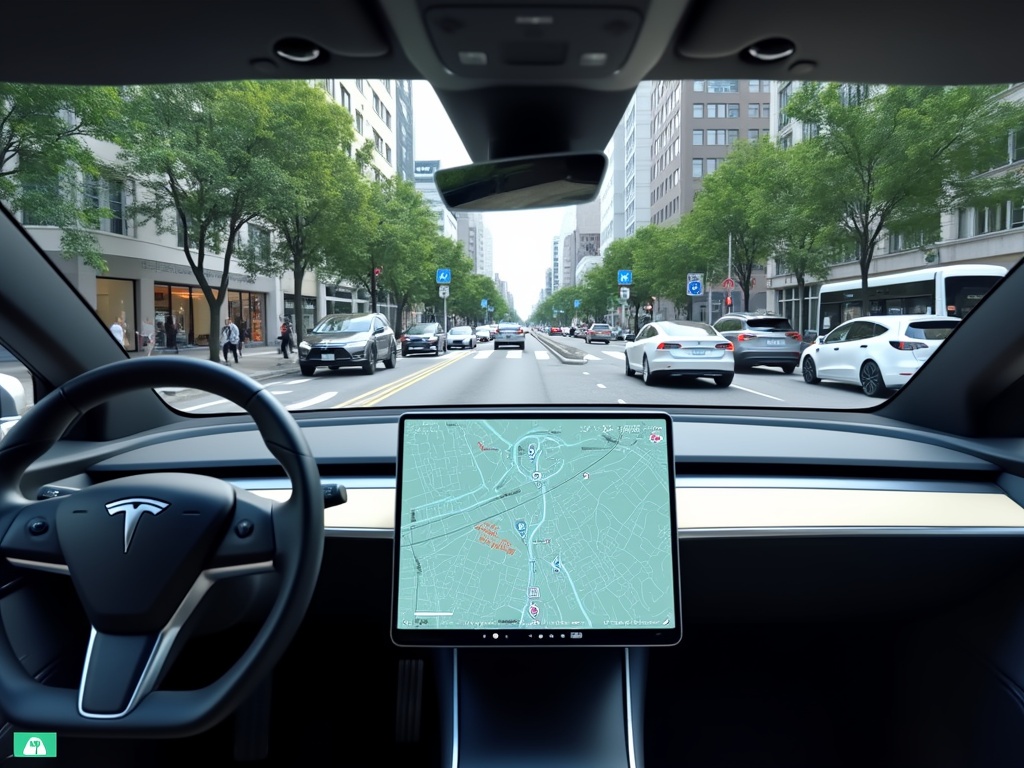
204 405
484 355
585 373
293 382
601 386
755 392
541 355
616 355
312 401
591 357
515 354
280 391
621 401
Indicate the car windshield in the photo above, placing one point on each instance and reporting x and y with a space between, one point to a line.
343 325
750 203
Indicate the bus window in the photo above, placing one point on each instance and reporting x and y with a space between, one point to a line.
964 293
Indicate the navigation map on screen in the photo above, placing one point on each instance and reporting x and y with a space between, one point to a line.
536 530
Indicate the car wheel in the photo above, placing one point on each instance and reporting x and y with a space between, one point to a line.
307 370
405 351
170 561
629 371
371 362
647 375
787 369
392 360
871 380
522 347
810 372
724 381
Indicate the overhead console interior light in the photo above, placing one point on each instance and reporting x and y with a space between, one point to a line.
773 49
298 51
519 42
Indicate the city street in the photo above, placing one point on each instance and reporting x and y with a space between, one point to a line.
543 374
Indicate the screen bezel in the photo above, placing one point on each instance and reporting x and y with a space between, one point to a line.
532 637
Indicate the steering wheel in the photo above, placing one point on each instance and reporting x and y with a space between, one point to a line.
142 551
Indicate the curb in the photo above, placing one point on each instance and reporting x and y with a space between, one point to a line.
558 351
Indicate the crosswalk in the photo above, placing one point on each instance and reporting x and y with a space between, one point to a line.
539 354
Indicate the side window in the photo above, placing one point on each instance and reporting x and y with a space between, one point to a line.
861 331
839 334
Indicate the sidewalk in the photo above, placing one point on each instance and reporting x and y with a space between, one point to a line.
258 362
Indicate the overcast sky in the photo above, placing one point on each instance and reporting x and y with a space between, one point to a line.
522 239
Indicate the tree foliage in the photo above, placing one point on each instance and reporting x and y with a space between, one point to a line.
209 155
898 156
44 160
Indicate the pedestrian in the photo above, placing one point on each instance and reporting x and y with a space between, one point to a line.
171 335
285 337
117 331
229 340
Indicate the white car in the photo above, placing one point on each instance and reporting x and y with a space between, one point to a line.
680 348
483 333
461 337
880 353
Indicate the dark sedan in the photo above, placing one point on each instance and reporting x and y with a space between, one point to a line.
425 337
340 341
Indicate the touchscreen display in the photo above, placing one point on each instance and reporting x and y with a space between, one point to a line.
528 529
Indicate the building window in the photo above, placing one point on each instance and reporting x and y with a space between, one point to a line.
752 134
753 110
346 99
698 86
359 122
698 110
387 118
107 193
387 153
759 86
732 136
723 86
698 137
785 92
712 164
1017 213
732 110
259 241
378 143
377 107
716 137
785 142
698 168
1017 145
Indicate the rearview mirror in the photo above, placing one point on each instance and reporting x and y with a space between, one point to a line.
522 183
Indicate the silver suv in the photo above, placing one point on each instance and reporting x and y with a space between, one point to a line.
760 339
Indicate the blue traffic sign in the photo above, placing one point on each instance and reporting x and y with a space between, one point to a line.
625 277
694 288
483 303
576 303
444 276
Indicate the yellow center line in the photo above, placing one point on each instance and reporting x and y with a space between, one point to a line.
375 396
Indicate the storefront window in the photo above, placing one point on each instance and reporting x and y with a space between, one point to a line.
115 303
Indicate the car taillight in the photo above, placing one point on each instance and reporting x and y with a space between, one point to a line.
907 345
669 345
520 331
795 335
727 346
746 337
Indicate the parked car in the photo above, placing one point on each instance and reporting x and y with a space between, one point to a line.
555 330
483 333
601 332
760 339
340 341
879 353
461 337
510 334
424 337
680 348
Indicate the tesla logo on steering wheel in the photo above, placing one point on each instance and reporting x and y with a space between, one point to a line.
133 510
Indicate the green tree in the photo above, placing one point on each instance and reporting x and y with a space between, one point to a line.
738 204
320 212
900 155
44 160
209 158
810 239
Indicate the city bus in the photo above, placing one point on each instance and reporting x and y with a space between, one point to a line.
952 290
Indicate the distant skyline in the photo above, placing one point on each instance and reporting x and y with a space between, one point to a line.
521 239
